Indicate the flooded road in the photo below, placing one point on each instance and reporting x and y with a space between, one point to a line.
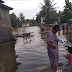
30 54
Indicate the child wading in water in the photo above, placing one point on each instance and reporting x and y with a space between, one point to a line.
69 56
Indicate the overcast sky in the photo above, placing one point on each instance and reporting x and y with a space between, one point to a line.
30 7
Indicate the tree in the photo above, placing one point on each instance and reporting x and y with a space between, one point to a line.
18 22
38 18
47 8
13 20
67 13
47 11
22 18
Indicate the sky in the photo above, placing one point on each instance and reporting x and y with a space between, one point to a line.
30 8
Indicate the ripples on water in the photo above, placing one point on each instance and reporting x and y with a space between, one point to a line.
32 54
29 55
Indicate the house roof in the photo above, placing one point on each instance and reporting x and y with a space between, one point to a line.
1 1
5 7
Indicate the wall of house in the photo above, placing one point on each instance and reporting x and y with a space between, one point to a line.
5 36
1 22
5 17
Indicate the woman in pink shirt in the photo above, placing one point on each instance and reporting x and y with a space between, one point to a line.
69 56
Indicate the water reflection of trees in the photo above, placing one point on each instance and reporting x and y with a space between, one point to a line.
8 58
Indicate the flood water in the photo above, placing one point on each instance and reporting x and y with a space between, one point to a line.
30 54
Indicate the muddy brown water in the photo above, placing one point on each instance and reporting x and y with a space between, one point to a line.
30 54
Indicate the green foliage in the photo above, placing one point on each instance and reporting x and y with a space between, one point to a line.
67 13
33 22
47 11
51 15
13 20
18 22
38 18
27 21
22 18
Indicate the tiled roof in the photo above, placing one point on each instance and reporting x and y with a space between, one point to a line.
5 7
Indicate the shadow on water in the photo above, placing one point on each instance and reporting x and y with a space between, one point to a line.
8 58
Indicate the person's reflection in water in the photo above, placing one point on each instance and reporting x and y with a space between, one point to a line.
67 33
63 32
59 33
63 28
8 58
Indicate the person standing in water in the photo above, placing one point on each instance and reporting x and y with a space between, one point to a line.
67 27
63 28
52 47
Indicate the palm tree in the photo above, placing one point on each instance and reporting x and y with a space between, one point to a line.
47 8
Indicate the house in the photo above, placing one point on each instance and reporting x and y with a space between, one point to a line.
4 16
5 25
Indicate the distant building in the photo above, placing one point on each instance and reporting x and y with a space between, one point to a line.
4 16
27 25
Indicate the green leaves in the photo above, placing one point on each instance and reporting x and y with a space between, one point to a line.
47 11
22 18
67 13
13 20
17 21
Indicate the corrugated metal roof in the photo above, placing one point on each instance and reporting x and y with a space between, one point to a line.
5 7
